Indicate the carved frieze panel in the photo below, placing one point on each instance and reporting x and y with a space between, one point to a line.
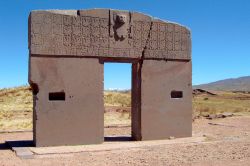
118 35
168 41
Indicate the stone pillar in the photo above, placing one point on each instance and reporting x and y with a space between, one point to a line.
166 99
136 102
68 100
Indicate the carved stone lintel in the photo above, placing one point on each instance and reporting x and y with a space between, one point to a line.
70 34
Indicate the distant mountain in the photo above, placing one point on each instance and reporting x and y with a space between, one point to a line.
232 84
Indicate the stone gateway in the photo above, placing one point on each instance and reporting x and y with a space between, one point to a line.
67 52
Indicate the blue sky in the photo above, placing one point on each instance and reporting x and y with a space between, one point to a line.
220 36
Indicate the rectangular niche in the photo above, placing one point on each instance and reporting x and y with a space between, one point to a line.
176 94
56 96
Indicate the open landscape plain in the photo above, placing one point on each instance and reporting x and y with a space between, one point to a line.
221 118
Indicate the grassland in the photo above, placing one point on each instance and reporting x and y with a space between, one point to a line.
16 106
121 99
237 103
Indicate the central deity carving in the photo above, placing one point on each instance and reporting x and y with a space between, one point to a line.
120 28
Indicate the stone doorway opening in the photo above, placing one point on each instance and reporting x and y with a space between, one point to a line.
121 120
67 51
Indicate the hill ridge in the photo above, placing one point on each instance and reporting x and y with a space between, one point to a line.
230 84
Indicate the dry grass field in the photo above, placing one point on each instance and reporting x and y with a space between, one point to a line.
221 102
16 106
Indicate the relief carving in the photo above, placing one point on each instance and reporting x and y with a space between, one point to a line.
119 35
119 27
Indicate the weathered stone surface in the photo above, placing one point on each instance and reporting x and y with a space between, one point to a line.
106 33
79 118
163 116
136 102
168 41
21 148
67 51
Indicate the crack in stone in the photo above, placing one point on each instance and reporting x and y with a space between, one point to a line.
140 78
148 38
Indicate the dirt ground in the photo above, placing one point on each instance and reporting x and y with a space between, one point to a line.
227 143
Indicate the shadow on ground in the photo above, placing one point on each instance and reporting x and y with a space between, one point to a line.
117 138
20 143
